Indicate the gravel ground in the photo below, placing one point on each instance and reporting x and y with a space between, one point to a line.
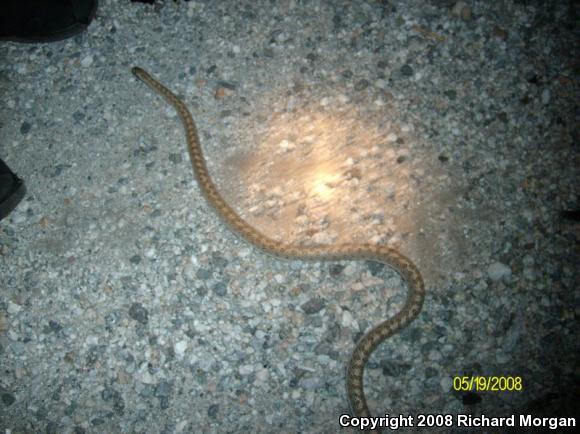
448 130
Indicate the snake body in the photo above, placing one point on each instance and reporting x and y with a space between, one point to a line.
390 257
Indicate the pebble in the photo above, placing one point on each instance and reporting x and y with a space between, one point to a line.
462 10
498 271
446 384
347 320
546 95
87 61
25 128
262 375
381 84
407 70
180 348
13 308
313 306
213 410
139 313
246 369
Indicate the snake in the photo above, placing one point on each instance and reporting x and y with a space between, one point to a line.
317 252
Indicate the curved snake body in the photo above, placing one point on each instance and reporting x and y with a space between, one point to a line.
398 262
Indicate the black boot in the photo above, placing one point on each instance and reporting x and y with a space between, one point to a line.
12 190
44 20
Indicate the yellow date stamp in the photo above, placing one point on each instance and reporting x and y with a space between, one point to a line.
470 383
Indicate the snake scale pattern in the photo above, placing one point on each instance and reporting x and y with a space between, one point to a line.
395 260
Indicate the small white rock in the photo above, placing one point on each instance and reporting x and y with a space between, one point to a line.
445 384
18 217
87 61
381 84
262 375
501 357
13 308
498 271
546 96
246 369
180 426
180 348
287 145
346 319
146 378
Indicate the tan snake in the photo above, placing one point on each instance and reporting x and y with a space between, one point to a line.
401 264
